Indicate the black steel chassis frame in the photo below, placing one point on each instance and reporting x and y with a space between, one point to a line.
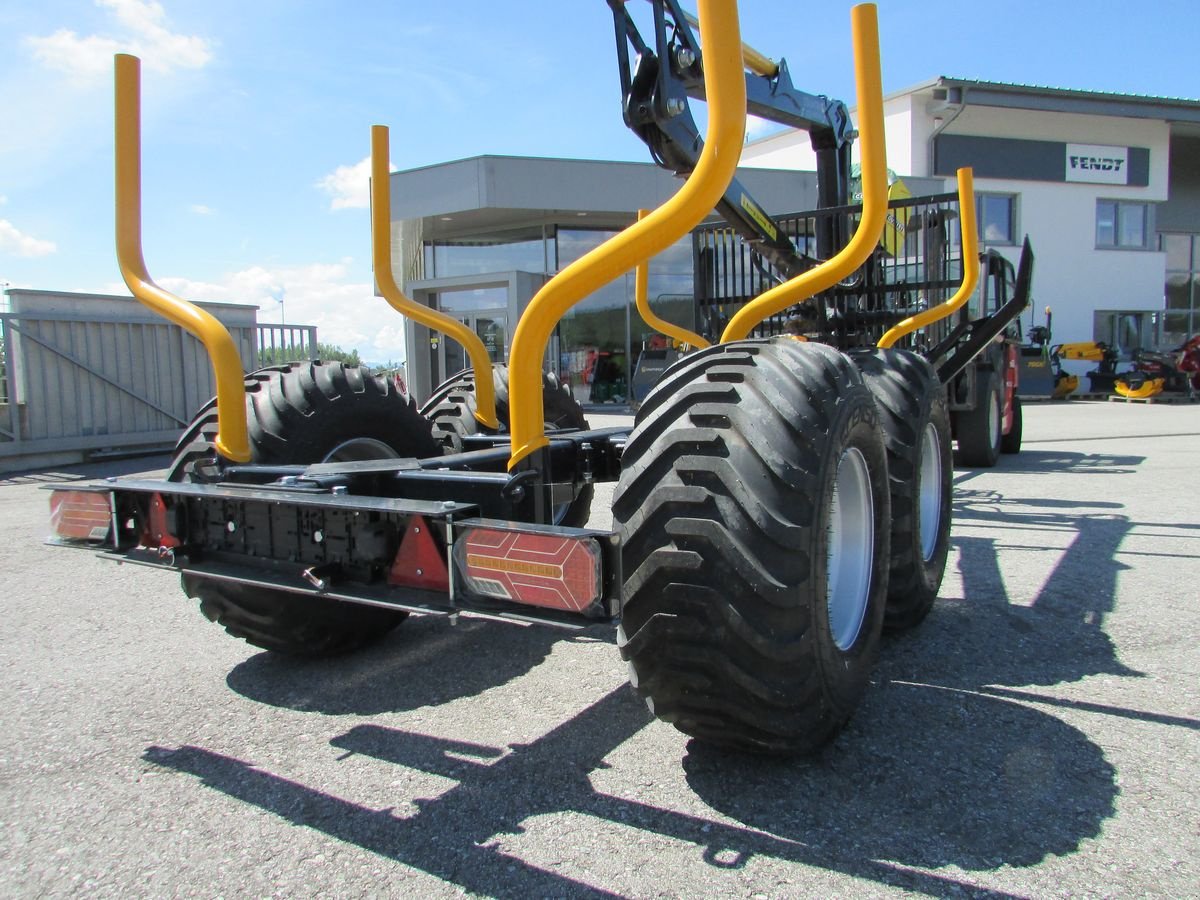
296 514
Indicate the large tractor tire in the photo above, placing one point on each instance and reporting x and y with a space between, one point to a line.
451 409
1011 442
979 430
916 427
753 507
298 414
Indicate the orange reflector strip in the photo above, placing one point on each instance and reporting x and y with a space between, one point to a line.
534 569
80 515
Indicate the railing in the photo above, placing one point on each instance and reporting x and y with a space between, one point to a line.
917 265
285 343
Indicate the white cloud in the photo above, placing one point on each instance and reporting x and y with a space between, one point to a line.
141 31
201 210
3 199
350 186
327 295
14 241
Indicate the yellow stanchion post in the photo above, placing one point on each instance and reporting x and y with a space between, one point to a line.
865 31
232 440
725 87
641 299
385 280
970 259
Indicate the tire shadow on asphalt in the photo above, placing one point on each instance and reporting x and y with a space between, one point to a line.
924 777
796 812
932 772
935 769
425 662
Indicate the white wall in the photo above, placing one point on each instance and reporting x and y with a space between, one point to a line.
898 132
986 121
1071 275
793 150
786 150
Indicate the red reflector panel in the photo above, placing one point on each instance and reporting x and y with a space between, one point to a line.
80 515
418 562
534 569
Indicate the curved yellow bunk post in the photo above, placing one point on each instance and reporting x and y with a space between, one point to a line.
725 87
641 298
865 30
756 62
231 441
385 279
970 258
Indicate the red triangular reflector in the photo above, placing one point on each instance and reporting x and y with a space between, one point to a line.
419 562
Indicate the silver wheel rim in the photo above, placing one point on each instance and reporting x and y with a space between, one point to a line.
929 508
850 548
994 421
359 450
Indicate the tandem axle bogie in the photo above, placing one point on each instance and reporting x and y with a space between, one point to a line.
783 496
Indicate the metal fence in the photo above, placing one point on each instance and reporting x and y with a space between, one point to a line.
82 374
285 343
917 265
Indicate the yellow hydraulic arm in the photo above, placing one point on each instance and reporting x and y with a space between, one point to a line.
725 87
865 32
385 279
641 289
970 258
232 441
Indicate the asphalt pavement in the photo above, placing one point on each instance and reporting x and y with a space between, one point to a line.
1036 736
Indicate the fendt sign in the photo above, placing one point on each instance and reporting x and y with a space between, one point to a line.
1097 164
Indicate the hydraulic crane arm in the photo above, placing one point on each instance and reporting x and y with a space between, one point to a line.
658 80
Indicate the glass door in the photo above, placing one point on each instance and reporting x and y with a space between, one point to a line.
450 356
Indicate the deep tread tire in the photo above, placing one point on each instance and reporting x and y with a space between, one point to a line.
451 409
303 413
979 430
724 508
1011 442
912 401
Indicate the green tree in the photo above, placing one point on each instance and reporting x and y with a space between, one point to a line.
273 356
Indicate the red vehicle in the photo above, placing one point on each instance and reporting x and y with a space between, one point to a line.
1176 371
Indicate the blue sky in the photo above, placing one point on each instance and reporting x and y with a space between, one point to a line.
257 115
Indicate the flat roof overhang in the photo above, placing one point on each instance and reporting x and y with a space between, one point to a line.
489 195
1182 114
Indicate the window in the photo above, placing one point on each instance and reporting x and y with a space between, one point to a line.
1183 285
1122 225
523 250
996 216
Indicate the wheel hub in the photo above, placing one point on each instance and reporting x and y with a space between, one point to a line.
850 548
929 506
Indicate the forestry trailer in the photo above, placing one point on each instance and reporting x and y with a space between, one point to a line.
785 492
